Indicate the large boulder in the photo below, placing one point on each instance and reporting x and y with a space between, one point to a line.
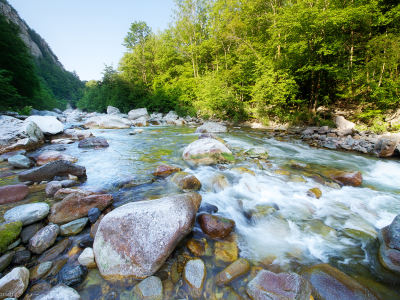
328 283
51 155
138 113
107 122
207 151
290 286
111 110
47 124
16 134
211 127
387 145
27 213
14 284
52 169
152 229
76 206
13 193
343 125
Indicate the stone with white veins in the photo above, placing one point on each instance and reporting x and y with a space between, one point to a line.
27 213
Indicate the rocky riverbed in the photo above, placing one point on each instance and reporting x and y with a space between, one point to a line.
152 206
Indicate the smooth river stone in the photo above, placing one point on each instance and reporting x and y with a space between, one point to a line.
149 289
44 238
14 284
27 213
194 275
59 292
51 155
13 193
20 161
73 227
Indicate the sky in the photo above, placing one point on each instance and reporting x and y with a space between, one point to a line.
86 35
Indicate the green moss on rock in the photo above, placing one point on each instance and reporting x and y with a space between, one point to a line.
9 232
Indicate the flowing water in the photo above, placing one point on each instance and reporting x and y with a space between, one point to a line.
277 222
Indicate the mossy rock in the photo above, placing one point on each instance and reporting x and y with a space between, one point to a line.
314 192
9 232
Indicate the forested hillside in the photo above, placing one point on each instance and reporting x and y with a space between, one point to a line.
241 59
30 74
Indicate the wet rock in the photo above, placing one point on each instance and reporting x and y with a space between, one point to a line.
13 193
93 214
152 229
226 251
68 183
9 232
165 170
386 146
107 122
64 192
257 152
194 275
215 226
207 152
388 255
6 259
330 283
86 258
261 211
54 251
170 117
268 285
47 124
233 271
52 187
211 127
51 155
95 226
72 275
346 178
73 227
40 270
343 124
243 170
20 161
52 169
219 182
76 206
44 238
393 233
140 122
138 113
149 289
85 241
111 110
93 142
186 181
14 284
21 257
14 244
208 208
196 247
29 231
59 292
314 192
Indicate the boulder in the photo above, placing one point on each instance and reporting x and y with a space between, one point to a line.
343 125
107 122
140 122
20 161
47 124
215 226
73 227
93 142
14 284
44 238
76 206
152 229
13 193
211 127
393 233
186 181
9 232
149 289
268 285
170 117
346 178
59 292
52 169
165 170
16 134
207 152
138 113
329 283
111 110
27 213
86 258
386 146
51 155
194 275
234 270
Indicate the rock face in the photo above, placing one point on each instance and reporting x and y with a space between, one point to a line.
52 169
215 226
138 113
93 142
16 134
186 181
47 124
51 155
343 124
268 285
194 275
207 152
107 122
14 284
330 283
111 110
44 238
27 213
211 127
9 232
13 193
149 289
20 161
59 292
76 206
152 229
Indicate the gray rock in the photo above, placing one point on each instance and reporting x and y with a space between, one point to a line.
211 127
44 238
93 214
149 289
343 124
111 110
194 275
72 275
29 231
6 259
14 283
52 187
27 213
394 233
20 161
138 113
59 292
93 142
21 257
107 122
47 124
73 227
52 169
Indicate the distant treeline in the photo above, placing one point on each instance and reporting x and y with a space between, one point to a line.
27 82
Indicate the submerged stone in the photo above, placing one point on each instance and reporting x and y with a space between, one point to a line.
150 288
